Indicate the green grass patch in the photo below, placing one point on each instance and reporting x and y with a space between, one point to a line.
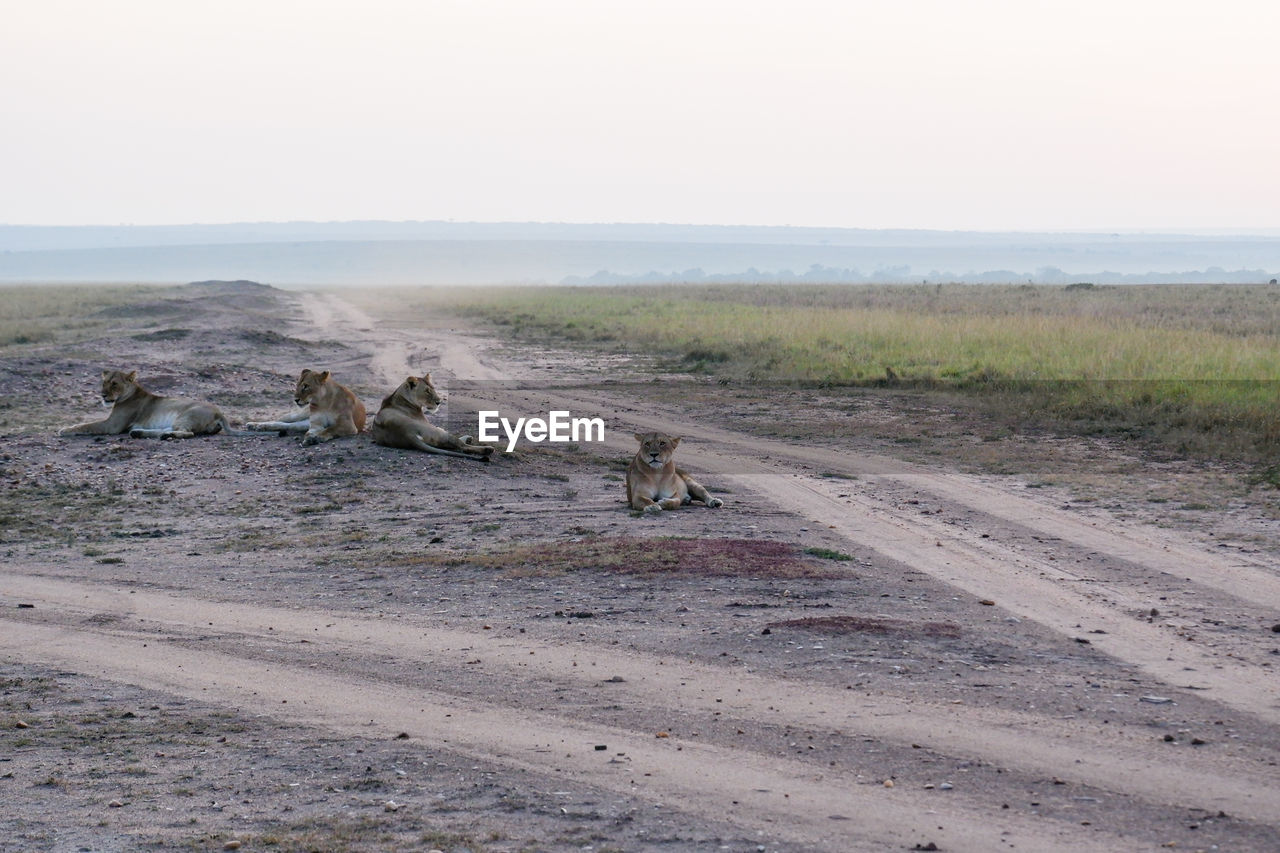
828 554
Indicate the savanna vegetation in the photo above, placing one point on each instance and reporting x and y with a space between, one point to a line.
44 313
1193 367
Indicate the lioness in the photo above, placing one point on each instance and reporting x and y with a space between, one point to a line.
401 423
140 413
326 411
654 483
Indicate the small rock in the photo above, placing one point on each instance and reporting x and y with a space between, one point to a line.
115 804
21 724
601 747
391 806
1156 700
663 734
888 783
946 786
232 845
986 602
1276 628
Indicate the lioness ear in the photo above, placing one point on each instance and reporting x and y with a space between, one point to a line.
411 382
133 375
640 437
324 376
675 441
306 371
426 377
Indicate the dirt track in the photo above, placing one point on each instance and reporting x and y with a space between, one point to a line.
1026 676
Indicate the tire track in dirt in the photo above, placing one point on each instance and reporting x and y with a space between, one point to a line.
1027 587
386 356
1163 550
1120 761
782 797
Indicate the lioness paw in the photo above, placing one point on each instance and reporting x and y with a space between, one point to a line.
652 508
714 503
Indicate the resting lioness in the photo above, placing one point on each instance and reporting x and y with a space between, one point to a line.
400 423
654 483
327 410
140 413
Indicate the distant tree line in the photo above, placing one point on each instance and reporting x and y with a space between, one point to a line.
819 274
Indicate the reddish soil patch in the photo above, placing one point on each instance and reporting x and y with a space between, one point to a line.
843 625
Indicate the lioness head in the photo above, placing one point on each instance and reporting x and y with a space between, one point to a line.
656 448
117 384
419 391
308 384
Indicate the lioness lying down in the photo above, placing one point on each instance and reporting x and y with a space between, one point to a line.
400 423
140 413
654 483
327 410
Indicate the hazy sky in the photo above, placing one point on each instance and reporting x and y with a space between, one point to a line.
1016 114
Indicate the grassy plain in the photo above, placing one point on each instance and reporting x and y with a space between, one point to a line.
44 313
1193 367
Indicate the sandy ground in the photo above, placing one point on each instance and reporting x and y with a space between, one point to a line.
876 644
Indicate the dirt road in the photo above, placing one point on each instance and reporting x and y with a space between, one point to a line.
982 670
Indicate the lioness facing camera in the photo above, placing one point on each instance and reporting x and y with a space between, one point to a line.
140 413
654 483
327 410
400 423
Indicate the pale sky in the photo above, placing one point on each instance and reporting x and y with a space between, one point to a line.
1008 115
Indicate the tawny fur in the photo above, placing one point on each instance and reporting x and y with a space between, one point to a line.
400 422
327 410
142 414
654 483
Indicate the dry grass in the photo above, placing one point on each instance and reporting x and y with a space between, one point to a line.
1191 367
63 312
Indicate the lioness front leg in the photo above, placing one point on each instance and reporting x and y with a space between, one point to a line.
91 428
318 436
282 427
699 492
297 421
642 504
